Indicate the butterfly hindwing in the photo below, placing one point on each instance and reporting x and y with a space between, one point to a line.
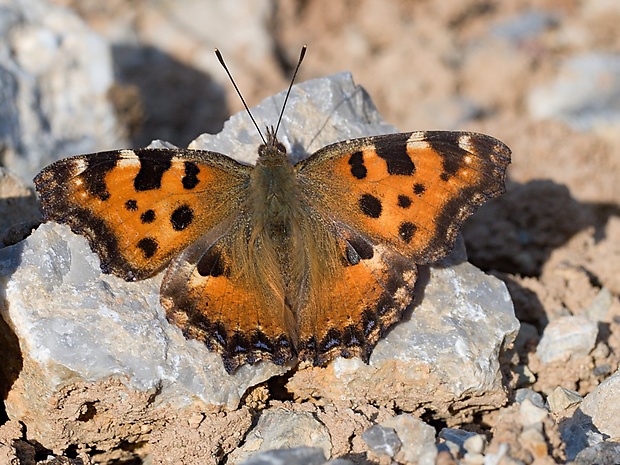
139 208
369 290
219 298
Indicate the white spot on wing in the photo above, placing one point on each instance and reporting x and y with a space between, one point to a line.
79 165
128 158
418 140
464 142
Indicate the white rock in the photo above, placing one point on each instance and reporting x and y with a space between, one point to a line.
531 415
475 444
417 438
565 337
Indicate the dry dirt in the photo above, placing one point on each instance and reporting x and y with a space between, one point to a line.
554 238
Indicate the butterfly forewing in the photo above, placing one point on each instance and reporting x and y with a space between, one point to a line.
409 190
139 208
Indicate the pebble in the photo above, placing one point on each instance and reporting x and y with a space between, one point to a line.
531 395
561 399
417 438
566 337
296 456
532 415
475 444
605 453
382 440
454 440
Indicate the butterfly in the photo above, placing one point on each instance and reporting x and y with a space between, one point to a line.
274 261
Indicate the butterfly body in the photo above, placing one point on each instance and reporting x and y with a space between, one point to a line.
313 260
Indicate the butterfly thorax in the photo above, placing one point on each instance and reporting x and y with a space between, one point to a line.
276 246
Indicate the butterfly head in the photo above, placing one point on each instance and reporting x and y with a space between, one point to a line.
272 151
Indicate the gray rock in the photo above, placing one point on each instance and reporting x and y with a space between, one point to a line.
585 94
578 433
55 74
454 440
603 406
565 337
417 438
605 453
284 429
382 440
296 456
531 395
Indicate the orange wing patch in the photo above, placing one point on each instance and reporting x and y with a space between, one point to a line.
411 190
206 295
369 292
140 208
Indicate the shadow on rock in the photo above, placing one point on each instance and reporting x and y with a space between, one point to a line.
161 97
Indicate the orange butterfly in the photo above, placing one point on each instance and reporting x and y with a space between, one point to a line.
274 261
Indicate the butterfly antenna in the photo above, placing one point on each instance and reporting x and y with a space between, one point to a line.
221 59
302 54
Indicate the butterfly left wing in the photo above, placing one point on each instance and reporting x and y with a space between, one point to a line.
392 202
409 190
139 208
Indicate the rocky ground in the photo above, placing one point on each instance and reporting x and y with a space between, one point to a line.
543 76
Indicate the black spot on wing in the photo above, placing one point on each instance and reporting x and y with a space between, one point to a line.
153 165
98 166
131 205
404 201
181 218
190 180
149 246
358 170
147 217
210 264
393 149
406 231
419 189
370 205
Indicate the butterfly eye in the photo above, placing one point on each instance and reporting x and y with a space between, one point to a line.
280 147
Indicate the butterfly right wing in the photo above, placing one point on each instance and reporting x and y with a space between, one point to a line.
139 208
216 292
